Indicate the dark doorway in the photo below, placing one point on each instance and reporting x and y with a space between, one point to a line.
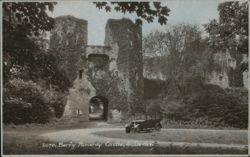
98 109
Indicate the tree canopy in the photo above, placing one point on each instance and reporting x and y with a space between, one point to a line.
23 23
22 20
231 31
144 10
182 56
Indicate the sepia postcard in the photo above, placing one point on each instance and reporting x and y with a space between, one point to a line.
145 78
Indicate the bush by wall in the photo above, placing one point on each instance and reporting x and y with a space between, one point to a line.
57 101
24 102
220 107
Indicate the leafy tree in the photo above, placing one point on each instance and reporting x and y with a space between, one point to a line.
154 45
175 40
231 31
21 21
24 59
184 59
230 34
23 24
187 97
144 10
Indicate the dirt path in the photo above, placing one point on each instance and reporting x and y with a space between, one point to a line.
86 136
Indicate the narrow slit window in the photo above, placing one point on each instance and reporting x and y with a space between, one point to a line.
80 73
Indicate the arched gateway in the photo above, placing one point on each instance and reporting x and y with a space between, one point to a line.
105 78
98 109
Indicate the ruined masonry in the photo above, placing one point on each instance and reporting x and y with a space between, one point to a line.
112 72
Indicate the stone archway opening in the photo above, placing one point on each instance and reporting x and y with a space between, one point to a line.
98 108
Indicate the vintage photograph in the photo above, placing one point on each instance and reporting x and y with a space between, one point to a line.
165 77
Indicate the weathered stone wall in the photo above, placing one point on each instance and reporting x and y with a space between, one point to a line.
67 41
78 98
219 76
113 71
245 71
128 37
69 33
227 71
98 68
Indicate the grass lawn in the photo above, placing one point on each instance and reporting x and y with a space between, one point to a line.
19 139
195 136
24 140
28 143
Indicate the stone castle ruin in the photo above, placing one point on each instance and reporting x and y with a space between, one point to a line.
107 78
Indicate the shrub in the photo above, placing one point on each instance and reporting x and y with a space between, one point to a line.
220 107
172 109
24 102
225 107
57 101
198 123
153 106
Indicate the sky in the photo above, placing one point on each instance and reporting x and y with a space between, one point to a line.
187 11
